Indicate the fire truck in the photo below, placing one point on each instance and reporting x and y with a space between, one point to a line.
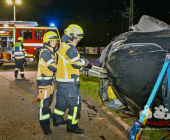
32 34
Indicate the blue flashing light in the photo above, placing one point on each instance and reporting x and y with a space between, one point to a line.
52 25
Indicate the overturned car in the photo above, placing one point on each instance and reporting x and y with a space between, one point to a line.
133 61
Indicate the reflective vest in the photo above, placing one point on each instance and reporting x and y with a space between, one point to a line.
46 66
19 51
69 63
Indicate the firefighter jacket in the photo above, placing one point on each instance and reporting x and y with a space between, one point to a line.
46 66
19 51
69 63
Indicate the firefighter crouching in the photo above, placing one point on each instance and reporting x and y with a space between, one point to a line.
19 55
45 78
67 79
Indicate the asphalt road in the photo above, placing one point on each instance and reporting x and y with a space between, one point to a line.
19 116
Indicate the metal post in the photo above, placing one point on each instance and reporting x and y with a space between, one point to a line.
14 13
122 24
131 13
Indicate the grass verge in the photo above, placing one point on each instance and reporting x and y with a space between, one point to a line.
90 86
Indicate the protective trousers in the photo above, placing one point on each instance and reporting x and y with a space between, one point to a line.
46 97
68 96
19 64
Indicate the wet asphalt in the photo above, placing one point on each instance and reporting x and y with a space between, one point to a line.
19 116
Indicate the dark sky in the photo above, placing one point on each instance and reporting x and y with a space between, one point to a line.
101 20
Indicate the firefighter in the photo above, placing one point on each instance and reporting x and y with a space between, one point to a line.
67 79
47 67
19 55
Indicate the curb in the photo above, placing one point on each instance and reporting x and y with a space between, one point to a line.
116 121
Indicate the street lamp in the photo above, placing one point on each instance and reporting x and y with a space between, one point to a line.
14 2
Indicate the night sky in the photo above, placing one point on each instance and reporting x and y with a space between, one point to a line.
101 20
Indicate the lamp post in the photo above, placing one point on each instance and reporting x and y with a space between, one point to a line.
14 2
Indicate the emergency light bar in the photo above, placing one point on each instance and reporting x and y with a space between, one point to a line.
52 25
19 23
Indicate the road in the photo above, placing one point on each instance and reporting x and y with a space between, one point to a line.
19 116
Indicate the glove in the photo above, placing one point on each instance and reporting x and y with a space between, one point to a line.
84 72
88 67
86 62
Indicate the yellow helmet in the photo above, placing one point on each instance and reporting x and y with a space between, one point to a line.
20 38
74 30
50 36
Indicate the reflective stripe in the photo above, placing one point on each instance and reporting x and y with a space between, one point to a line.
18 52
50 61
64 62
74 115
83 62
22 72
18 57
74 59
70 117
76 121
33 44
58 112
39 70
43 117
16 69
78 100
66 80
42 63
44 78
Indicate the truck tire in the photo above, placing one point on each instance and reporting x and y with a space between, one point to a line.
150 24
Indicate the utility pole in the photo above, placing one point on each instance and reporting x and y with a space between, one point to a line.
129 13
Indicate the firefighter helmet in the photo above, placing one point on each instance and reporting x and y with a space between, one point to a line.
50 36
20 38
74 31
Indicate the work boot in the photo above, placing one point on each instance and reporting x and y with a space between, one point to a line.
16 73
22 75
74 128
47 131
59 122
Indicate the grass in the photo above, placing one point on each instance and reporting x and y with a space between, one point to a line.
90 86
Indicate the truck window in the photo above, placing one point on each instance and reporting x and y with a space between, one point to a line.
26 34
38 34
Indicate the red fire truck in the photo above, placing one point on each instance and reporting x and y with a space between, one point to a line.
32 34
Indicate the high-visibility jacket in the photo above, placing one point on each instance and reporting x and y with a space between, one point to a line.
69 63
19 51
47 66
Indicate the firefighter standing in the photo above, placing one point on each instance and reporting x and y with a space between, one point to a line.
45 78
19 54
67 79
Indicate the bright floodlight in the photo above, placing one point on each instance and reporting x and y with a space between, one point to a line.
18 1
52 25
9 1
